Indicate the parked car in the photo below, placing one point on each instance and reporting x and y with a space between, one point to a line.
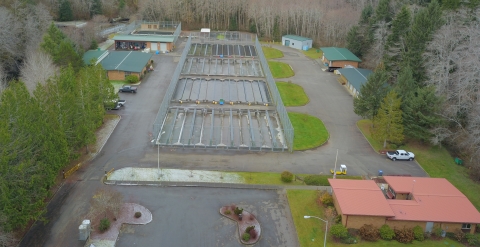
117 104
400 155
127 89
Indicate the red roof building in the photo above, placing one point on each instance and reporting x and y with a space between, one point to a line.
404 201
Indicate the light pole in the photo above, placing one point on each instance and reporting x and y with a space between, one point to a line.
326 227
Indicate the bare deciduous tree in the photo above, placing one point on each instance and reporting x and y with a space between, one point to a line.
37 68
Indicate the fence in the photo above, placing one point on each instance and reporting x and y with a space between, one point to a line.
157 126
281 111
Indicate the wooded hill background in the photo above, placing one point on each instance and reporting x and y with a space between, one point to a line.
426 57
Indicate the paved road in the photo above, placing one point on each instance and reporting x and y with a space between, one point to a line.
130 145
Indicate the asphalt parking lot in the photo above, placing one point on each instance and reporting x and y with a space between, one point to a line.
185 217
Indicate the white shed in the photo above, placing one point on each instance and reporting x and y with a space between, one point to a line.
297 42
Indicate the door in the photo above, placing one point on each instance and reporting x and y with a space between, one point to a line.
163 47
153 46
429 227
287 42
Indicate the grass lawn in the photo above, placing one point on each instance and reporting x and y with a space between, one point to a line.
310 131
303 202
220 37
280 70
292 94
312 53
117 84
273 178
437 162
271 52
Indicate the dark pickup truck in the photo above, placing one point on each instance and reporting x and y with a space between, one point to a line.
128 89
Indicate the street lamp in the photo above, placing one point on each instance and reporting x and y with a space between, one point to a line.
326 227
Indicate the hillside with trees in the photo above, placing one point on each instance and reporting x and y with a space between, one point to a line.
427 52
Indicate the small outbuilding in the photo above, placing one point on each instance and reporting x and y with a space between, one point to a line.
354 78
297 42
120 64
335 57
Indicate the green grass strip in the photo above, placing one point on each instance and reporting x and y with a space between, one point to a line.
310 132
292 94
271 52
280 70
312 53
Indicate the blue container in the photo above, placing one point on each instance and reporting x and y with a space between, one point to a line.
157 52
380 173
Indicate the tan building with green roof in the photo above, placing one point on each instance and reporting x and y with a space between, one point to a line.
120 64
335 57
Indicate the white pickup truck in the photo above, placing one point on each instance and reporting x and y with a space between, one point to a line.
400 155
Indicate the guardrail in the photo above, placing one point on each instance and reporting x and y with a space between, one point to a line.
72 170
162 112
281 110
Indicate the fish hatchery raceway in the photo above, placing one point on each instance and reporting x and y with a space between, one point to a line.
178 107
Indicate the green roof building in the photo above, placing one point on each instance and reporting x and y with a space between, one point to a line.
354 78
297 42
120 64
94 55
335 57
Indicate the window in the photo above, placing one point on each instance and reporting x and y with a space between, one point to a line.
127 73
466 226
149 26
155 26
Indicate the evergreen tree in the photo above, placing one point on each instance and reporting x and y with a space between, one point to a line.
395 42
419 113
405 83
451 4
121 4
354 41
65 12
383 11
96 8
387 124
93 44
61 48
276 31
425 23
371 94
233 25
367 13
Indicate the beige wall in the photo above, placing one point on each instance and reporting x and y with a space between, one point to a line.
116 75
120 75
408 224
401 196
357 221
342 64
149 26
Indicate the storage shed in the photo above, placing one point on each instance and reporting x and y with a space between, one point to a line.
297 42
335 57
354 78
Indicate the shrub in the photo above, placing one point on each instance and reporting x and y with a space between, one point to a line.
253 234
238 211
404 235
339 231
437 231
104 224
131 79
472 239
246 237
386 233
369 233
418 233
228 211
247 230
338 219
287 177
138 214
349 240
326 199
317 180
459 235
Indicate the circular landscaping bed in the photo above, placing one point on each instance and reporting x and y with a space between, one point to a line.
248 226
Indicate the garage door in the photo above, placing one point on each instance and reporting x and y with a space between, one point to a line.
163 46
154 46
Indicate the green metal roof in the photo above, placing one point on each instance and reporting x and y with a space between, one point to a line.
356 77
145 38
131 61
94 54
296 37
339 54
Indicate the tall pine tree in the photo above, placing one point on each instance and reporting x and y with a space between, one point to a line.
371 94
387 124
65 12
